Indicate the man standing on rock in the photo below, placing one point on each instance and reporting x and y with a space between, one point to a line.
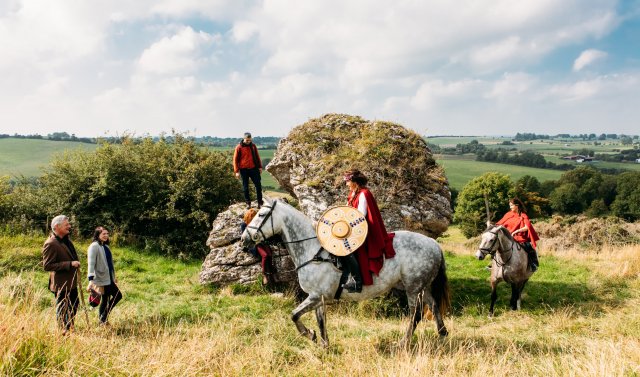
59 257
247 164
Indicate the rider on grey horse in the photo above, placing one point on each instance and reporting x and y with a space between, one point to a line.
517 222
378 246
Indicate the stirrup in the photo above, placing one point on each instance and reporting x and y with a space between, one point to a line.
352 286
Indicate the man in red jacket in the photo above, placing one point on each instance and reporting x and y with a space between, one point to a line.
247 164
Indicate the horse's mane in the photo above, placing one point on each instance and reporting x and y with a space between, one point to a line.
503 230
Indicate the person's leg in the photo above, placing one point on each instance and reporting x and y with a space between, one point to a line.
110 299
257 181
245 173
62 304
265 254
75 301
351 263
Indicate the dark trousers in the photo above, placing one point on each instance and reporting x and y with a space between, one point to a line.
66 307
110 298
254 174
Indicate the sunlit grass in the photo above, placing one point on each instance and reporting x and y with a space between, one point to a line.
579 317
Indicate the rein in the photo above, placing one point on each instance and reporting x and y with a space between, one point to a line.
490 250
268 215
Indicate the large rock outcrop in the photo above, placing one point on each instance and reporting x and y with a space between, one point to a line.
410 188
227 263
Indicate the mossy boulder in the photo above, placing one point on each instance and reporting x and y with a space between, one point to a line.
410 188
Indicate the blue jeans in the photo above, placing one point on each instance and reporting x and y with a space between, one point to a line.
254 174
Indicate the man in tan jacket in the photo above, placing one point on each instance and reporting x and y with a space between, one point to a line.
60 258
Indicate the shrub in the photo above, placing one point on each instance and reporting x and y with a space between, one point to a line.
470 211
162 193
627 203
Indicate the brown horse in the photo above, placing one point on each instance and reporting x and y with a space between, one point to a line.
509 263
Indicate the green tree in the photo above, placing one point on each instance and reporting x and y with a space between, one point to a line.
528 190
470 211
565 199
627 202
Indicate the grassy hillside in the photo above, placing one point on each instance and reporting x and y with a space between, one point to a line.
579 317
27 156
461 169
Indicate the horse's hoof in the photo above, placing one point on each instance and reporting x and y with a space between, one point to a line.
312 335
490 315
324 343
443 333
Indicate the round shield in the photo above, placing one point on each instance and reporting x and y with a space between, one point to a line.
342 230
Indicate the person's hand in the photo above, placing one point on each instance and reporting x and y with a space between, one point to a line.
90 286
75 264
260 170
237 175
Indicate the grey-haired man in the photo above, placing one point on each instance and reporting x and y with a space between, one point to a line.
59 257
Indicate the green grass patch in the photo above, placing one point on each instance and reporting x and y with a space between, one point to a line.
28 156
461 169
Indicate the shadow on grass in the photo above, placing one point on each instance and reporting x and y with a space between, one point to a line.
472 296
455 345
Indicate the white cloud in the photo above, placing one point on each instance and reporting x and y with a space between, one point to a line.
434 91
219 65
511 85
588 57
243 31
183 52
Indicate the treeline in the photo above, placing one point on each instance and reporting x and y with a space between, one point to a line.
525 158
625 139
56 136
263 142
583 190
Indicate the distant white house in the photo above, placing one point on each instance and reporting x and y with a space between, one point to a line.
638 160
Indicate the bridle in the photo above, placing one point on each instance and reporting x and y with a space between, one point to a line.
258 229
491 250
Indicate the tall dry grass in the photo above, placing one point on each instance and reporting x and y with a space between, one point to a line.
598 339
564 342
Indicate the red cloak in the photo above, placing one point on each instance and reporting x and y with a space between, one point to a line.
379 243
512 221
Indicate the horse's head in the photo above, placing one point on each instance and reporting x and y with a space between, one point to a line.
490 241
264 225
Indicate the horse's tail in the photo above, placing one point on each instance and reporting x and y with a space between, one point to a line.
440 289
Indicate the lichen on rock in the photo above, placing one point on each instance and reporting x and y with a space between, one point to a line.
410 188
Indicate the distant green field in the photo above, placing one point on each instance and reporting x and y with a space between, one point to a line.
552 146
460 170
598 164
27 156
451 141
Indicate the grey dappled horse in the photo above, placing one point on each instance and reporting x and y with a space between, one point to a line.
509 263
418 267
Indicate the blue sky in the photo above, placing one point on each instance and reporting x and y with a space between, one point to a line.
222 67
